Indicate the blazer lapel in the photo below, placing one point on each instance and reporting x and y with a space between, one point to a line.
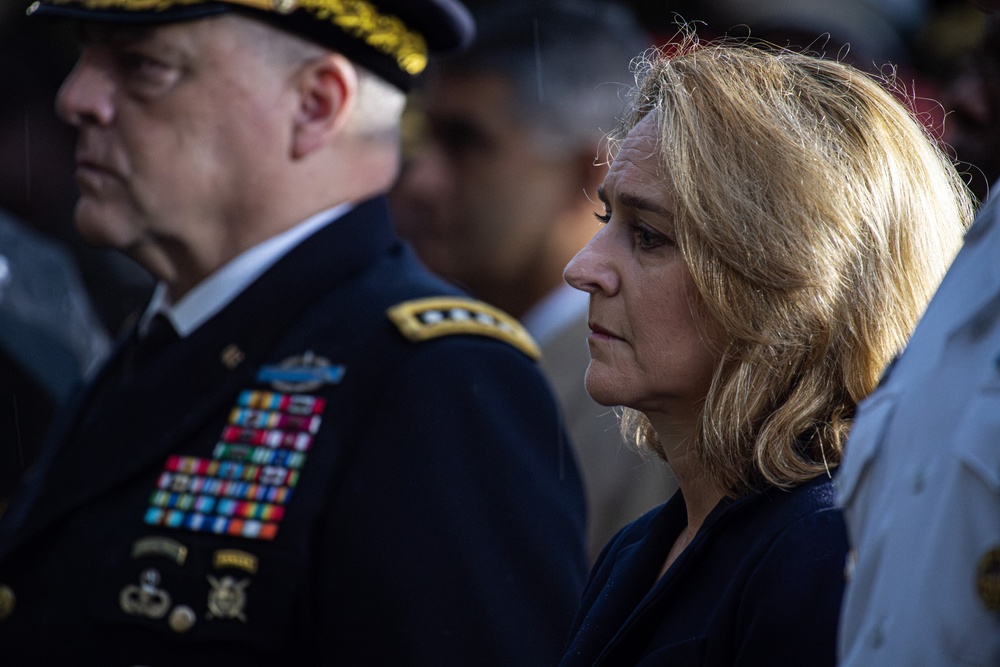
630 586
649 557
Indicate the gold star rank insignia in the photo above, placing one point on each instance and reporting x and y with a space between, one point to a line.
433 317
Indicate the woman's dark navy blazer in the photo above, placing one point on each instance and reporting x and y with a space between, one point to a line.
760 585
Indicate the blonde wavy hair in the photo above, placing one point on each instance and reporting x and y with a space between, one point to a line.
817 217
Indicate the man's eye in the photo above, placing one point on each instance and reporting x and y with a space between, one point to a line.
459 138
138 62
463 143
143 69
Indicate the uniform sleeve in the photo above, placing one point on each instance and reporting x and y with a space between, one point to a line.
459 521
791 605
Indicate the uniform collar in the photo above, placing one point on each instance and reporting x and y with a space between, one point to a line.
219 289
556 311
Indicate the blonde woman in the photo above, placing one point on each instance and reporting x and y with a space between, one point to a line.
774 225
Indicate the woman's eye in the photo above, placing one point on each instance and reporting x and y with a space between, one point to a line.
647 239
603 218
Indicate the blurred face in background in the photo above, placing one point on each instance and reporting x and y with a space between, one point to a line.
477 197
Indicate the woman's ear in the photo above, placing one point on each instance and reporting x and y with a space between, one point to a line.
327 88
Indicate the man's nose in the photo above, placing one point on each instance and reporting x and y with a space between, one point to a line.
86 94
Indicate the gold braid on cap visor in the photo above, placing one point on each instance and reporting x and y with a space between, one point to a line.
358 18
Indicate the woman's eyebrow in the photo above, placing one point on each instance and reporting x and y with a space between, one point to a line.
641 203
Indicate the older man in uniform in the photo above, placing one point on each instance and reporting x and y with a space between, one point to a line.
920 483
310 451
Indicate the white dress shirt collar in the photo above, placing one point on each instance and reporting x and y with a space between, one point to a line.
219 289
557 310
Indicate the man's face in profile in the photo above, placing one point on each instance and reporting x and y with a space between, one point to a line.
172 121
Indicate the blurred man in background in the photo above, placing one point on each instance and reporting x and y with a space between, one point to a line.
498 195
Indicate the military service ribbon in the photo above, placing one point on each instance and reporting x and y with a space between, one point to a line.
242 490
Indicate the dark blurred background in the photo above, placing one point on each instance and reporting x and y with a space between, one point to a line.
36 158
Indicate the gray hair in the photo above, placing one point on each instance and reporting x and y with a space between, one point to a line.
379 107
379 103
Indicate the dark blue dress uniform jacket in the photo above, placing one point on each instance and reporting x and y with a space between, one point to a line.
759 586
437 518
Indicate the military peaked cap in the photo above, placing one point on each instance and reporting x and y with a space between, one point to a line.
392 38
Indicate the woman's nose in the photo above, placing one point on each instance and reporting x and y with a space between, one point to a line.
592 270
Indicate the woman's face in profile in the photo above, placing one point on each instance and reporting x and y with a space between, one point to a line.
645 347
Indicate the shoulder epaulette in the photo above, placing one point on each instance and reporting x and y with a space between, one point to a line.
433 317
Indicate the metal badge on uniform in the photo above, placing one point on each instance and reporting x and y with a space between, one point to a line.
235 558
147 598
227 599
300 374
160 546
988 579
232 356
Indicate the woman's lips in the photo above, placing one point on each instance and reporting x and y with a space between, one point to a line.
597 332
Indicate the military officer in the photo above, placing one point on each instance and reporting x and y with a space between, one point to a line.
310 451
920 482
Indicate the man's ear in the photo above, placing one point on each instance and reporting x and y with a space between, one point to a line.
328 88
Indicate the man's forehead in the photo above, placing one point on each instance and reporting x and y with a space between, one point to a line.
471 92
190 37
116 34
